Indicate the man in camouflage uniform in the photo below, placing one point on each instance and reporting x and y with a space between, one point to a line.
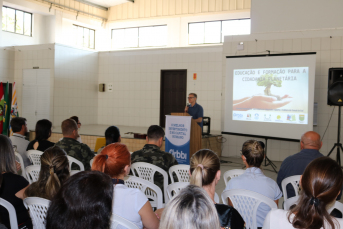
72 147
152 154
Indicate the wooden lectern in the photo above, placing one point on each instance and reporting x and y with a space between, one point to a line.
196 135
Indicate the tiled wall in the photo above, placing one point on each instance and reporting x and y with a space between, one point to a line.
329 54
136 76
6 64
76 85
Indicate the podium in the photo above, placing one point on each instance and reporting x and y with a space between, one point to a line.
196 135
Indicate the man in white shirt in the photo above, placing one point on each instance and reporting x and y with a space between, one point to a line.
19 129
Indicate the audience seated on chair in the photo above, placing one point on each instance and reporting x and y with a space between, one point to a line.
310 145
43 133
253 178
11 186
72 147
84 201
19 129
77 120
112 135
192 209
53 173
205 173
151 153
129 203
321 183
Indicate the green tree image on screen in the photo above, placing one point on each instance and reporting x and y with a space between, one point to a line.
268 81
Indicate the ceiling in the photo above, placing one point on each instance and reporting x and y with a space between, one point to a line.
108 3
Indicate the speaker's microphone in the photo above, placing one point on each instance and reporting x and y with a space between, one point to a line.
188 104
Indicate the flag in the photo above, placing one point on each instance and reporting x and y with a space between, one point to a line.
7 111
14 107
2 101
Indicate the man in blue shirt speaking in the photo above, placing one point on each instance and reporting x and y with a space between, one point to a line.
194 109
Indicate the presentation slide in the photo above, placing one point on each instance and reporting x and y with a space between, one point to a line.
269 95
277 95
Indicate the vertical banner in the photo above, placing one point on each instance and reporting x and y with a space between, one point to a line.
14 107
178 132
7 110
2 102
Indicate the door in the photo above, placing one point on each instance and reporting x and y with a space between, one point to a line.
36 96
173 92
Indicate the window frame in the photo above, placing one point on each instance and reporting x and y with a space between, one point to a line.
15 21
221 29
138 27
89 41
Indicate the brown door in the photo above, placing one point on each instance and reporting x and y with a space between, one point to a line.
173 92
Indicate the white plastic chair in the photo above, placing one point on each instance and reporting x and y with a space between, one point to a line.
231 174
32 173
147 171
338 205
11 213
174 188
294 181
79 163
91 162
34 156
246 203
151 191
216 198
117 220
22 165
290 202
181 171
38 207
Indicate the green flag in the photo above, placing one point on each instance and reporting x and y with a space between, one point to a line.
7 110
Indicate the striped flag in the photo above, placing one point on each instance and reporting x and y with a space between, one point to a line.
2 101
7 110
14 107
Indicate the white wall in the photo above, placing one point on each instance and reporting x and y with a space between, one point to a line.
136 75
329 54
76 84
293 15
7 65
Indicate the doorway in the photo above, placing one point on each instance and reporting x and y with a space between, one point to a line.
173 93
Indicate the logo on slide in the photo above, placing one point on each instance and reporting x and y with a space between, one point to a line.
278 117
178 154
291 118
238 116
301 117
267 117
248 116
257 116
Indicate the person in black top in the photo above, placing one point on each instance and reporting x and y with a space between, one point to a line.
12 186
43 133
205 173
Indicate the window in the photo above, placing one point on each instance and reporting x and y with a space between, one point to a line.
85 37
214 31
16 21
149 36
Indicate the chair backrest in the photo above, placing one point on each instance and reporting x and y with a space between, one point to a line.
181 171
246 203
117 220
91 162
100 142
151 191
147 171
11 212
287 204
32 173
216 198
338 205
174 188
21 162
294 181
34 156
73 160
38 207
231 174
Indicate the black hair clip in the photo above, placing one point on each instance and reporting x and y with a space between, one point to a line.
314 201
106 156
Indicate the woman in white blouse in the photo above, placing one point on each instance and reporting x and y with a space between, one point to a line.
321 183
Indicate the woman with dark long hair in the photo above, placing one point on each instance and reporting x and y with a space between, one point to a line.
12 186
53 173
112 135
320 184
84 201
43 133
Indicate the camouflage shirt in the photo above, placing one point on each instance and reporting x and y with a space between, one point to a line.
77 150
153 155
